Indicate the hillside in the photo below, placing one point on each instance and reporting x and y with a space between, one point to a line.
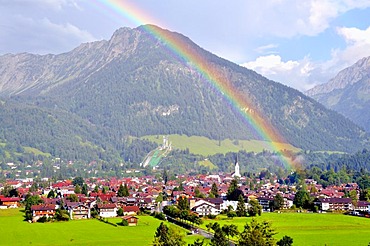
348 93
98 95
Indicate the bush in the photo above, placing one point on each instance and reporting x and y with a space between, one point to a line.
124 223
43 219
211 216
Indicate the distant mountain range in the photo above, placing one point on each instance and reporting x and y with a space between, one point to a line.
88 103
348 93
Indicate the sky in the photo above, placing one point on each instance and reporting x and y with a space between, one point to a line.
300 43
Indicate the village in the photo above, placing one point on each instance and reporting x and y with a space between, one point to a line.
104 198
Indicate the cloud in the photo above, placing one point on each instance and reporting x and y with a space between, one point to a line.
49 4
292 73
358 47
266 49
39 36
293 18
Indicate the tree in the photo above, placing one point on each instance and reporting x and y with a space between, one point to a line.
254 208
165 236
84 190
120 212
219 237
231 214
78 181
241 211
182 203
73 198
165 176
302 199
197 242
278 202
96 189
214 190
353 196
34 187
159 198
233 192
197 193
77 189
61 215
51 194
255 233
29 202
230 231
285 241
5 191
120 192
125 192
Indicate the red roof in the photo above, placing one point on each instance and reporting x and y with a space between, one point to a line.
107 205
131 209
42 207
10 199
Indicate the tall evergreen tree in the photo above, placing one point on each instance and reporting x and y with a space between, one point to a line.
233 192
241 211
84 190
214 190
120 192
254 207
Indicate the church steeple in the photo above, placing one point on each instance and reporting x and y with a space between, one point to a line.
237 171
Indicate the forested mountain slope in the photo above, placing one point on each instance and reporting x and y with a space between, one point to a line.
100 93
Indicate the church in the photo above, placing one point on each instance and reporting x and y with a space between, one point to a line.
236 173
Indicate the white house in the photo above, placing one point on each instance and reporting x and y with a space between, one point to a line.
205 208
107 210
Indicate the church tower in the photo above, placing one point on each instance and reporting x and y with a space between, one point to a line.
237 171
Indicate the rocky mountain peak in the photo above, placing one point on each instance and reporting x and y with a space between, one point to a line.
344 78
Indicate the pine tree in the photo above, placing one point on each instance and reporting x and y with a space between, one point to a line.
214 190
125 191
120 192
241 211
84 190
77 189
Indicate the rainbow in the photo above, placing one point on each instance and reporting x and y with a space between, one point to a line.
216 78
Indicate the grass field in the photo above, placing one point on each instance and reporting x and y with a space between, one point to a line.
205 146
15 231
313 229
304 228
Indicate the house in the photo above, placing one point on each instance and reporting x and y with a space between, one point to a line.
362 206
10 202
42 210
334 204
203 208
78 210
107 210
131 220
265 202
131 210
288 203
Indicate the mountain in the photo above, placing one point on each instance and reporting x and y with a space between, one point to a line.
98 97
348 93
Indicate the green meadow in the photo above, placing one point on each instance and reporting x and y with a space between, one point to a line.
304 228
312 229
205 146
15 231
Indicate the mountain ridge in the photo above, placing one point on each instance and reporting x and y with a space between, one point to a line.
348 93
134 85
